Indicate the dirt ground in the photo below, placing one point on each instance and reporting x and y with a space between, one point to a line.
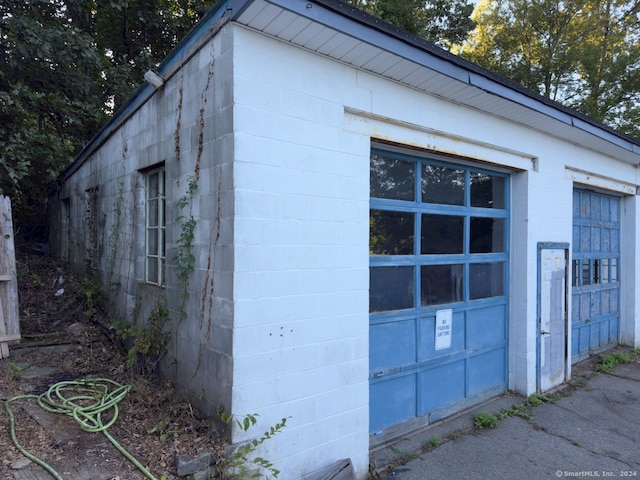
62 341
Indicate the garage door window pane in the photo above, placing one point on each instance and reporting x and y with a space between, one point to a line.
391 233
487 191
441 284
390 288
392 178
442 185
614 270
486 280
486 235
586 273
442 234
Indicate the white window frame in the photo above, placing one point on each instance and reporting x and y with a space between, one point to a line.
154 264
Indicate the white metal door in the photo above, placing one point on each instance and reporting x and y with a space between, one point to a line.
552 318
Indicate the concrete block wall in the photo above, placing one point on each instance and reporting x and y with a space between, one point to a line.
186 126
200 353
630 261
301 257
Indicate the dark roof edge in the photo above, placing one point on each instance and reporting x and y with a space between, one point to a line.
485 79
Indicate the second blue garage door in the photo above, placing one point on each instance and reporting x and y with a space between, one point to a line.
595 310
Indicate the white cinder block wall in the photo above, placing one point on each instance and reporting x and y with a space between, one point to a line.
301 259
630 263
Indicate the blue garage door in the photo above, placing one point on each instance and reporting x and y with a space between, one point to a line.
595 310
438 287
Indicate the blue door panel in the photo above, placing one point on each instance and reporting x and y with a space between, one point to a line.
577 344
585 238
487 371
426 348
595 339
441 385
486 325
615 300
605 301
392 345
585 306
594 309
575 312
584 333
392 401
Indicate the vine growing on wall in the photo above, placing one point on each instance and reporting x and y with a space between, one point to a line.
114 236
208 284
183 254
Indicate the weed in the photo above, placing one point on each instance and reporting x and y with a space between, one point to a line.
162 429
373 473
241 461
14 371
518 410
485 420
436 441
609 361
37 281
578 444
403 457
92 291
149 339
537 399
579 382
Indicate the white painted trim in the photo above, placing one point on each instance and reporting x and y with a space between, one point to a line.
599 181
410 134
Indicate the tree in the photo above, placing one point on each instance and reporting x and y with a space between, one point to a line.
582 53
135 35
51 99
65 65
443 22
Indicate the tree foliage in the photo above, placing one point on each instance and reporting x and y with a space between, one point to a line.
582 53
49 96
65 65
135 35
443 22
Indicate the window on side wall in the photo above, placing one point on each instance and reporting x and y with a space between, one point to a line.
155 226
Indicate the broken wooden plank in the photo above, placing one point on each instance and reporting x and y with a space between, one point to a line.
4 346
9 307
9 338
340 470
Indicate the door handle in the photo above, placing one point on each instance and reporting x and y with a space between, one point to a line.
543 332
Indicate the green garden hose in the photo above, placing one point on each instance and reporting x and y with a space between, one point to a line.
85 400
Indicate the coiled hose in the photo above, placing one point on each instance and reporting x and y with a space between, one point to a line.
85 400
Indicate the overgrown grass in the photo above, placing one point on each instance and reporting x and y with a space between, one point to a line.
485 420
609 361
524 410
